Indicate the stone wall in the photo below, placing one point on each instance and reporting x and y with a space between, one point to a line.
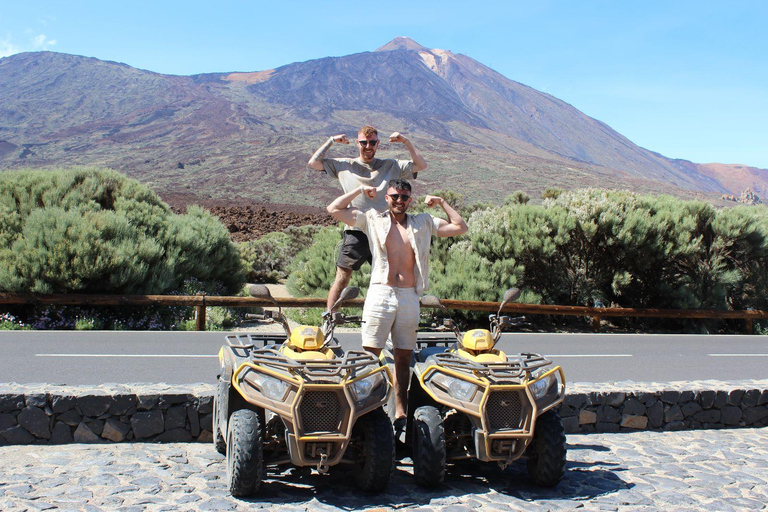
46 414
57 415
674 406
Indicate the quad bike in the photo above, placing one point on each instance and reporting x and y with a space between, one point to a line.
473 401
300 399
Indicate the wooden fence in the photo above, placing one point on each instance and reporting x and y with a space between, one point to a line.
200 302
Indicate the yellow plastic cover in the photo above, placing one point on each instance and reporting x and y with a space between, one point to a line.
306 337
477 339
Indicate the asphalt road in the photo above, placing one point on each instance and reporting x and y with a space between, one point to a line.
92 358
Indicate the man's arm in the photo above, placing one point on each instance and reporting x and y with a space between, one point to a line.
316 162
456 226
340 210
419 164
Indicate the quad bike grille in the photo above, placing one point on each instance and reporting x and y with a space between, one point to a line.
504 410
320 411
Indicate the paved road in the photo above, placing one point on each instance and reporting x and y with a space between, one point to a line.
90 358
647 471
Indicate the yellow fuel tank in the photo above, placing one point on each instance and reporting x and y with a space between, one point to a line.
306 337
477 340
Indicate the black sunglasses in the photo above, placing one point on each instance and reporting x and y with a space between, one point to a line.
399 197
366 143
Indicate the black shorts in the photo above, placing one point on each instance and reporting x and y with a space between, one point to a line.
354 250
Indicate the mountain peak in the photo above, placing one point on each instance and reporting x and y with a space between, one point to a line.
402 43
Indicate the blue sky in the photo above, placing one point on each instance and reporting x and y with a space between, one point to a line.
688 79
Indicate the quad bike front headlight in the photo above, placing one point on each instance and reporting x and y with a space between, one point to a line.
361 389
539 388
458 388
274 389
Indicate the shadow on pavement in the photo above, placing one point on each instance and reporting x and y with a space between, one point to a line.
582 481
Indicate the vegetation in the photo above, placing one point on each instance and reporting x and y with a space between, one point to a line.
268 259
90 230
589 247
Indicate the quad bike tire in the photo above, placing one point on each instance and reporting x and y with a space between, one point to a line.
376 466
428 446
219 410
245 461
547 451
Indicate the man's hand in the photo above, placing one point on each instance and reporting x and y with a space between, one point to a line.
432 201
397 137
370 192
340 139
419 164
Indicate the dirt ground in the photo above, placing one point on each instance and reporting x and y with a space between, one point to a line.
246 220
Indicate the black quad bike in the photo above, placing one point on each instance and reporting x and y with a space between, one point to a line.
471 400
299 399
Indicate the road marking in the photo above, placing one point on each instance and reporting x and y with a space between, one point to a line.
128 355
737 355
588 355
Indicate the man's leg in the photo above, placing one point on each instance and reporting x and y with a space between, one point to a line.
402 380
343 275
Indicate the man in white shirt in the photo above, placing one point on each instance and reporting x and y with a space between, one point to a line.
367 170
400 244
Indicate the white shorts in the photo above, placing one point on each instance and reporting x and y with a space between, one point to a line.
390 310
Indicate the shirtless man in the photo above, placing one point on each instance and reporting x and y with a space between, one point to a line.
368 170
400 244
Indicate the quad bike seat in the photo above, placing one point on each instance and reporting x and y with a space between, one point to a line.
423 354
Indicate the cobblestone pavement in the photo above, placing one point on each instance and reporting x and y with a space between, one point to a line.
692 470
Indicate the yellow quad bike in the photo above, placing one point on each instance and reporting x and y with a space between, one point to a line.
300 399
473 401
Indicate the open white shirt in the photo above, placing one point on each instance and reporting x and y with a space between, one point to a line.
420 229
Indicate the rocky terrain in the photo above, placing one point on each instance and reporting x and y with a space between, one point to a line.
247 220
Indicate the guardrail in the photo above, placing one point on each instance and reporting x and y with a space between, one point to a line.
200 302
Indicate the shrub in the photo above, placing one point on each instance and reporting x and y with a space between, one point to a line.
95 231
267 260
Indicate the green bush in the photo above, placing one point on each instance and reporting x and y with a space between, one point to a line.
586 247
267 260
92 230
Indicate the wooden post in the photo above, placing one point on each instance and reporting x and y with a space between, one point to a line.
750 326
596 323
200 318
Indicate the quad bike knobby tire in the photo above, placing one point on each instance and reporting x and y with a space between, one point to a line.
219 410
547 452
376 466
428 446
245 464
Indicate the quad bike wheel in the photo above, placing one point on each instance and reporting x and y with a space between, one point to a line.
245 464
428 446
219 410
376 465
547 451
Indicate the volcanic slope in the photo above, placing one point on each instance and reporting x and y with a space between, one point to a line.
248 136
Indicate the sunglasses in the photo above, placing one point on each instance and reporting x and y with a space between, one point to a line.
366 143
399 197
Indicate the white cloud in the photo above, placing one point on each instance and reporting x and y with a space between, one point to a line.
42 42
34 43
7 47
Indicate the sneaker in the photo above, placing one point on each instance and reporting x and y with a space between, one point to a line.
399 426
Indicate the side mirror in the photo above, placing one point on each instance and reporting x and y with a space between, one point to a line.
510 295
348 293
260 291
430 301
